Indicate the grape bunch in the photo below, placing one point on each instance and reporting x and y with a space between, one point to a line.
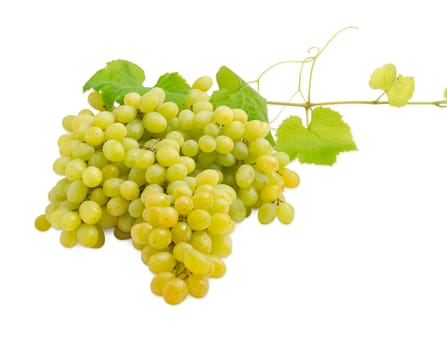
173 179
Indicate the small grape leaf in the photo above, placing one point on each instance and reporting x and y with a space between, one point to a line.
234 92
175 86
401 91
383 77
321 142
117 79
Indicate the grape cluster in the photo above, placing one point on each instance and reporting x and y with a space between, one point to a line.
175 180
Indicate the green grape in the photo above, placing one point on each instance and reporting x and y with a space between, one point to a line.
83 151
291 179
60 164
201 106
186 119
245 176
222 245
70 220
270 193
88 235
96 101
203 83
260 146
255 129
226 160
175 291
68 239
125 222
240 150
129 190
115 131
114 150
207 143
267 213
223 115
98 195
201 241
211 129
156 199
74 169
203 200
234 130
283 159
92 176
199 219
201 119
156 174
180 250
148 102
103 119
197 262
117 206
176 172
144 159
41 223
285 213
120 234
90 212
136 208
159 237
224 144
159 280
110 171
161 262
112 186
198 286
77 191
168 109
124 113
107 220
188 162
94 135
237 210
155 122
221 224
240 115
249 196
132 99
140 232
181 232
208 177
98 160
167 217
66 122
184 205
135 129
267 163
167 156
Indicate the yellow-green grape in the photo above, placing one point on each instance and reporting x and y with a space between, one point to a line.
68 239
96 101
201 241
148 102
159 238
198 286
167 217
221 224
70 220
222 245
114 150
175 172
201 106
180 249
249 196
120 234
129 190
267 213
224 144
291 178
110 171
167 156
161 262
267 163
201 119
107 220
115 131
181 232
203 83
197 262
237 210
186 119
283 159
101 238
111 187
159 280
234 130
124 113
207 143
135 129
136 208
203 200
255 129
175 291
199 219
103 119
117 206
144 159
260 146
156 199
270 193
74 169
132 99
88 235
90 212
168 109
94 135
92 176
219 268
240 115
125 222
60 164
140 232
41 223
285 213
188 162
155 122
245 176
77 191
66 122
156 174
208 177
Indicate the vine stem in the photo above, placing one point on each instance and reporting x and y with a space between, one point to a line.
307 105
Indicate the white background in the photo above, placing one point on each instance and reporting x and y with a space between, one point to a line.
362 267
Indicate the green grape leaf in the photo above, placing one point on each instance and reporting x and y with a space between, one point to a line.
384 77
234 92
321 142
117 79
401 91
175 86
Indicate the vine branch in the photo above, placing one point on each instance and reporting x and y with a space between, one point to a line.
307 105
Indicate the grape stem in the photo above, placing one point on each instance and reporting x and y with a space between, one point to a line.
308 105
